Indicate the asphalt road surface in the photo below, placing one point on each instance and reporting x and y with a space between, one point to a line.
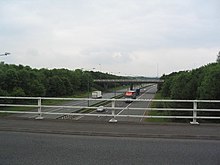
146 93
69 103
51 149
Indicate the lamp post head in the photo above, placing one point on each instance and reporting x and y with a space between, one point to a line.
218 57
5 54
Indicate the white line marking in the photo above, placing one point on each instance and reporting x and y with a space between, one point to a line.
147 105
131 103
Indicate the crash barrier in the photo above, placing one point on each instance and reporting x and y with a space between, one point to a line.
79 104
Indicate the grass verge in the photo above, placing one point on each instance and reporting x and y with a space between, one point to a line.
13 109
157 113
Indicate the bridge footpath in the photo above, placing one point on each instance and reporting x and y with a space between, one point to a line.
120 129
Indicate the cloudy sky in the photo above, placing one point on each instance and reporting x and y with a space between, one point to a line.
126 37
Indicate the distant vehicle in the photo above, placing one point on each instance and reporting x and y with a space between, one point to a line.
129 95
100 109
96 94
138 91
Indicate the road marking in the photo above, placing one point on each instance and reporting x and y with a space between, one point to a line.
123 109
79 117
147 105
131 103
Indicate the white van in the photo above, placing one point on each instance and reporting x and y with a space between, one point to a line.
96 94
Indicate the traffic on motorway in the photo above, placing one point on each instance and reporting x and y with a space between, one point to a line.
146 92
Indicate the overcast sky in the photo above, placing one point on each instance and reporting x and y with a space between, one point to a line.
133 37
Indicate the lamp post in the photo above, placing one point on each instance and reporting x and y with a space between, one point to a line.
87 85
218 57
5 54
88 93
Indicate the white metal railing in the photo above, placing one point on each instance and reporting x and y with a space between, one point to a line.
39 112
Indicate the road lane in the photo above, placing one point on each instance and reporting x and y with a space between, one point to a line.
39 149
146 93
69 103
80 103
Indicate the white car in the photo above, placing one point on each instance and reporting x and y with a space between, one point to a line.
100 109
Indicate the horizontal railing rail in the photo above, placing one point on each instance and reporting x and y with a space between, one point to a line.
194 109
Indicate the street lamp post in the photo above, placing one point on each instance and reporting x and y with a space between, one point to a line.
88 93
87 86
218 57
5 54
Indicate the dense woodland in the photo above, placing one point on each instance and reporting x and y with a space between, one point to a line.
201 83
198 84
19 80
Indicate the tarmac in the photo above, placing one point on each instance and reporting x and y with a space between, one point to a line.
119 129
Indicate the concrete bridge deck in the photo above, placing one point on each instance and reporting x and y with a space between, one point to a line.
120 129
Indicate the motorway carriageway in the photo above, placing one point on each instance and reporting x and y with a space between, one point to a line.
68 110
146 93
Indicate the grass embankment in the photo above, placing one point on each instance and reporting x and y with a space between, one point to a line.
13 109
157 113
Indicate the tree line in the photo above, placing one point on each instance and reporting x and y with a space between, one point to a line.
197 84
201 83
19 80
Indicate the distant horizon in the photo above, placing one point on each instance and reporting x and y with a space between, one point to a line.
107 72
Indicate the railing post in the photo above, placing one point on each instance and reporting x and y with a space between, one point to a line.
39 109
113 120
194 113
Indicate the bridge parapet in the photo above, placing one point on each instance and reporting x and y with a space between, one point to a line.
79 110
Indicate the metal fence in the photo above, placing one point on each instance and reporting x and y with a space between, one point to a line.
110 104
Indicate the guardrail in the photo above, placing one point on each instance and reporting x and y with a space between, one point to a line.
40 112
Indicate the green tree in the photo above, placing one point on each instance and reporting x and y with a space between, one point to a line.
68 86
3 92
55 87
180 89
36 88
166 87
210 85
11 80
18 92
